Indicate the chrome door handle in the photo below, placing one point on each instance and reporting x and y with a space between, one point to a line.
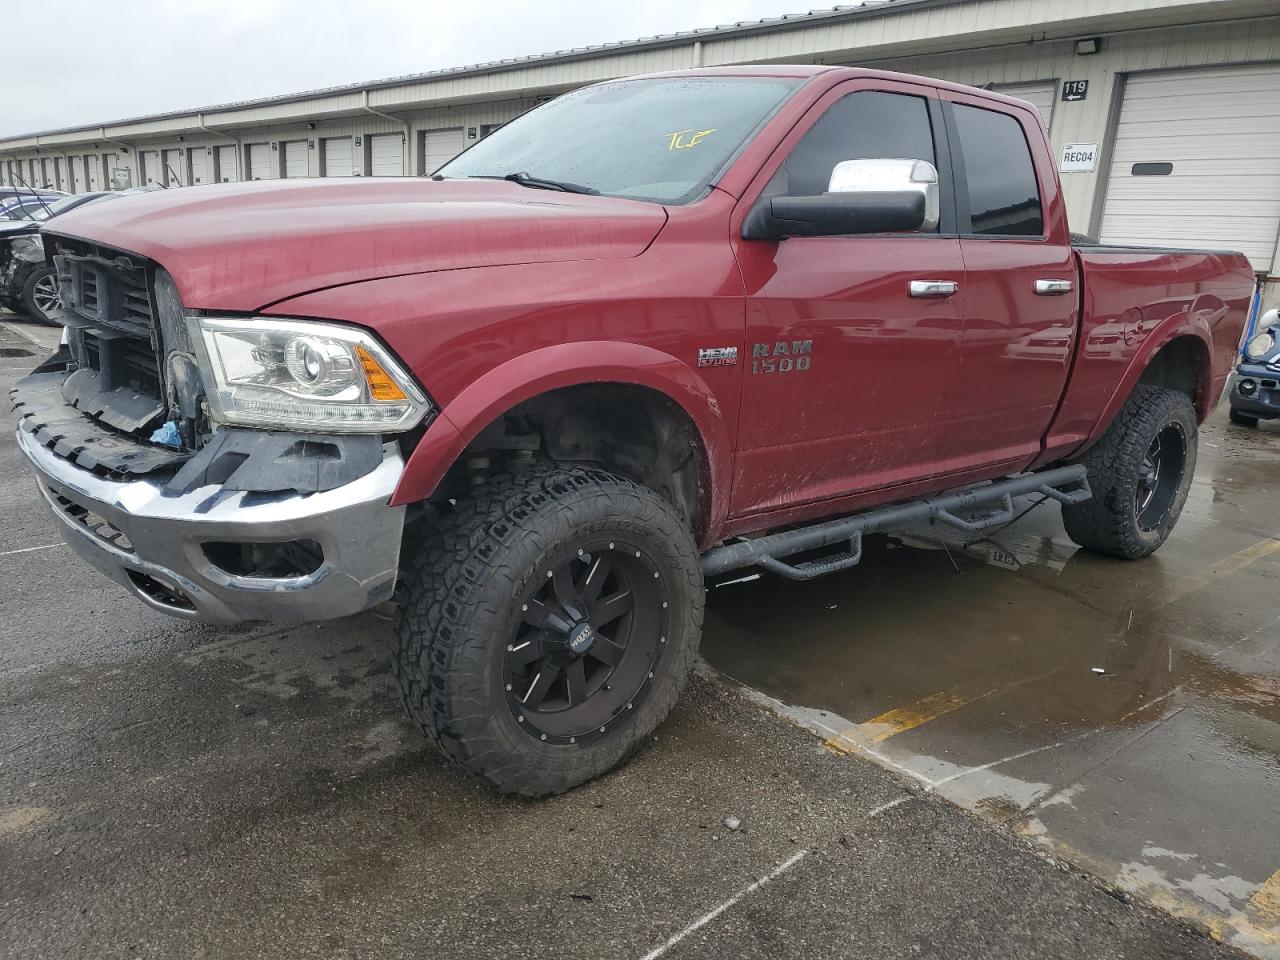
1054 288
933 289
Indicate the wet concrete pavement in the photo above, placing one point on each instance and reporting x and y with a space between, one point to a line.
1125 716
170 789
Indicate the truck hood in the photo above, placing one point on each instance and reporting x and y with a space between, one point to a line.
244 246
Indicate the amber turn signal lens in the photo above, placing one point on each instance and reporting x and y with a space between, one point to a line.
381 386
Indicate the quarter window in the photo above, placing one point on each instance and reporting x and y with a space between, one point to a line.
1004 198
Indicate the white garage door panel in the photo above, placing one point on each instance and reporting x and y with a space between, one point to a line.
386 155
172 167
151 167
200 166
295 158
260 165
1220 129
1040 95
337 157
439 147
226 157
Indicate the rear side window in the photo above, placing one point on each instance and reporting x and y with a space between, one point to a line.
1004 198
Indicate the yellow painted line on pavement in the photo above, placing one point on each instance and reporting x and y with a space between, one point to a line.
14 819
864 736
893 722
1264 906
1223 568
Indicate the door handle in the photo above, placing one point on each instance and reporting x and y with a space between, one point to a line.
1054 288
933 289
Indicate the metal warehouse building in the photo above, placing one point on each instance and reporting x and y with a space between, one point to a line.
1164 114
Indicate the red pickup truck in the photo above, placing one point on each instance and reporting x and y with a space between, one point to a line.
652 331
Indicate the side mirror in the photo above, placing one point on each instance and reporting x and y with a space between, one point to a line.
863 196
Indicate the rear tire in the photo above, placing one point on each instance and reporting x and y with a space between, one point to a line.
1241 419
40 296
482 624
1140 472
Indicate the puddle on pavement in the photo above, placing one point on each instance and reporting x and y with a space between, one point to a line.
1125 716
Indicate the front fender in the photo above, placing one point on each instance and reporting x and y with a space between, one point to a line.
565 365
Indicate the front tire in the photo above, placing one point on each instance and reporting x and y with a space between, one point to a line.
40 296
1140 472
548 626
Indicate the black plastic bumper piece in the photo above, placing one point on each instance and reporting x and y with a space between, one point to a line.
45 414
269 461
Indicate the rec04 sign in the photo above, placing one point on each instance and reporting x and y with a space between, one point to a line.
1078 158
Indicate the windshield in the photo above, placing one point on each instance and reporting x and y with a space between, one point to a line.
662 140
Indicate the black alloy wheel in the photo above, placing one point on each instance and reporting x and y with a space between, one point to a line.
1160 476
547 624
1140 472
589 640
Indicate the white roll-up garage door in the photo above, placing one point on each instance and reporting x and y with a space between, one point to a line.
1197 162
439 147
173 172
386 155
150 172
295 158
225 159
260 166
1042 95
200 166
336 155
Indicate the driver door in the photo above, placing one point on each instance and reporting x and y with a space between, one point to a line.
853 342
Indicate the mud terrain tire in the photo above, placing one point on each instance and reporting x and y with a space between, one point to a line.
1140 472
492 579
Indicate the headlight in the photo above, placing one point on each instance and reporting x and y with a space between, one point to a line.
29 249
303 375
1260 346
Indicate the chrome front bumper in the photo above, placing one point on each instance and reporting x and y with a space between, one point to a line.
152 542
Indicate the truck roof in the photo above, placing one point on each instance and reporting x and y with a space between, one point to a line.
833 75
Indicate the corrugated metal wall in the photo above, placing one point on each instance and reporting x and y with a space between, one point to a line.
1090 121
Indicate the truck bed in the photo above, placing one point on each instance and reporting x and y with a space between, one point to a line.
1135 300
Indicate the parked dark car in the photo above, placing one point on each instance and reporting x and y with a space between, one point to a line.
27 283
1256 394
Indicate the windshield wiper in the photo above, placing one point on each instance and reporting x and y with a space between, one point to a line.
537 183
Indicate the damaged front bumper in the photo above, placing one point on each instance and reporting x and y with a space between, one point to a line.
183 552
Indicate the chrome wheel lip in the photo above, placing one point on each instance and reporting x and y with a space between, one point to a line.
637 638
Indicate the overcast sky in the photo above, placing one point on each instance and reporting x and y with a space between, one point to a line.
71 62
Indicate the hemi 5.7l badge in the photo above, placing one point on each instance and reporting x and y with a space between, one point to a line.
717 356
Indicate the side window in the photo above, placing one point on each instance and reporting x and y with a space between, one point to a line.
1004 198
868 125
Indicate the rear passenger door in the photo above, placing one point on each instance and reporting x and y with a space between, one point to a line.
1021 302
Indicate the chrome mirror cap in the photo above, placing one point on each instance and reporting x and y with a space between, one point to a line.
890 176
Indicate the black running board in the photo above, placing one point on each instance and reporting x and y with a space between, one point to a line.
970 510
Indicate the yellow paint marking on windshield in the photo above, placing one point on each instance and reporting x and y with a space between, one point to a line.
684 139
